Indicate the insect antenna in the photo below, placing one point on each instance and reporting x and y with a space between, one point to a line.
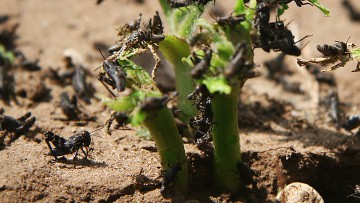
212 16
91 133
103 58
306 36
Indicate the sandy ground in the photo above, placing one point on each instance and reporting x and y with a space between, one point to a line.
285 137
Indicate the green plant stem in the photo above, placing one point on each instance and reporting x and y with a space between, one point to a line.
174 49
163 130
226 140
185 85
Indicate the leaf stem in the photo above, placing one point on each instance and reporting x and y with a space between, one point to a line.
226 140
162 127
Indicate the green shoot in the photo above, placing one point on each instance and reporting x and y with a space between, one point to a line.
159 121
174 48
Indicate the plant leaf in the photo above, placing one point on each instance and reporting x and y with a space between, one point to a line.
281 9
224 47
138 117
174 48
165 7
123 104
6 54
217 84
239 7
355 53
321 7
120 104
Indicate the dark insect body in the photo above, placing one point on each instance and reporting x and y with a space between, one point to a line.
114 48
116 77
357 69
185 3
273 35
134 36
154 103
261 22
238 66
351 123
120 118
201 2
339 48
130 27
203 65
334 112
7 89
98 2
356 193
155 24
3 18
17 126
230 20
80 86
299 3
277 37
62 79
168 182
284 41
63 146
245 173
140 39
202 123
26 63
262 16
69 106
177 4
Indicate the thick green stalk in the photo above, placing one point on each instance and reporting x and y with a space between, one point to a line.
174 50
226 140
184 85
163 130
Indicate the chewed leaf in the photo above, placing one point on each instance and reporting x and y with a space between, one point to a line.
355 53
217 84
125 103
181 21
120 104
174 48
138 117
320 6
